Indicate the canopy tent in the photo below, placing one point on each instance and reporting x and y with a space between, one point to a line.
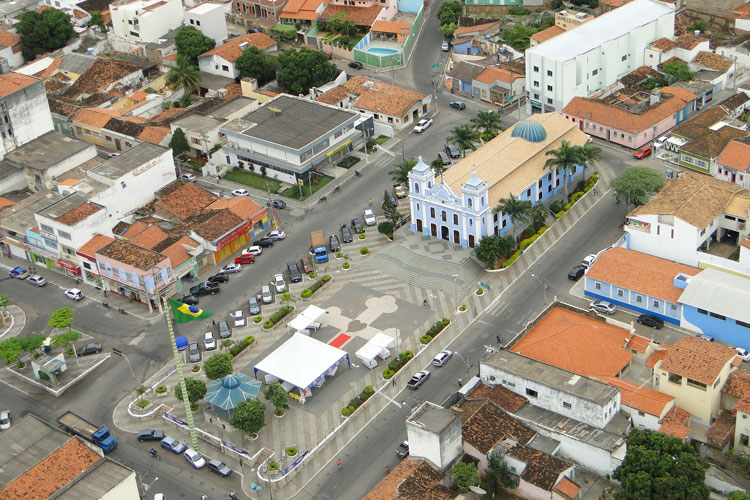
313 312
302 361
306 319
368 352
300 323
383 340
228 392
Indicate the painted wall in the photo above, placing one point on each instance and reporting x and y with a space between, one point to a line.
634 300
703 403
742 433
135 21
210 20
726 330
216 65
28 116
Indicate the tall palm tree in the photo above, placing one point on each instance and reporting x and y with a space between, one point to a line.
401 173
589 153
514 208
184 75
538 214
439 167
488 123
563 159
464 137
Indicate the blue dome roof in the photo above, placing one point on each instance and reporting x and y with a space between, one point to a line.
230 382
529 130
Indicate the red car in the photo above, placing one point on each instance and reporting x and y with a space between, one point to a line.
244 259
643 152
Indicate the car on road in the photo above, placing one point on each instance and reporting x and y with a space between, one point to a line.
403 449
265 294
276 235
277 204
194 458
74 294
239 319
445 46
253 307
189 300
37 280
603 307
171 444
650 320
18 272
194 352
743 353
219 467
346 235
278 283
224 331
357 225
263 242
660 141
209 341
188 177
643 152
459 105
244 259
422 125
218 278
333 243
231 268
576 273
418 379
305 265
93 348
705 337
369 217
442 358
356 65
240 192
588 260
443 157
204 288
452 150
254 250
150 435
399 191
4 420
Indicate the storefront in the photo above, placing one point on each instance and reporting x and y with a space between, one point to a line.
238 237
70 270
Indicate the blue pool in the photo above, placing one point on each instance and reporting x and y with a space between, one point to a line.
382 51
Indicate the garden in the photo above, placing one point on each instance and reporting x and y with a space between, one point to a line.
253 180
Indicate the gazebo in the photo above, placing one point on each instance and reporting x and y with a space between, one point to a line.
226 393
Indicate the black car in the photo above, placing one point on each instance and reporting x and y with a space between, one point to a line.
218 278
263 242
403 449
576 273
89 349
224 331
650 320
189 300
452 151
346 235
356 65
458 105
219 467
333 243
277 204
294 274
205 288
253 30
150 435
357 225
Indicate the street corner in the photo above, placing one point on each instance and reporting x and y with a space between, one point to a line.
12 321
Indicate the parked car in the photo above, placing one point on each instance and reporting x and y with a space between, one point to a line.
459 105
576 273
219 468
37 280
357 225
204 288
194 352
239 319
442 358
356 65
403 449
276 235
18 272
231 268
650 320
346 235
643 152
209 342
277 204
218 278
74 294
254 250
399 191
603 306
369 217
244 259
418 379
445 46
188 177
443 157
194 458
150 435
278 283
224 331
5 420
171 444
452 150
240 192
294 275
263 242
333 243
588 260
422 125
266 295
253 307
705 337
743 353
93 348
660 141
189 300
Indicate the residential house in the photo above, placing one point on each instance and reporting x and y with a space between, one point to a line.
499 86
541 476
62 116
417 477
88 125
390 31
495 7
459 207
434 434
305 12
461 77
72 65
209 19
742 19
20 240
158 135
220 60
10 48
733 164
684 47
594 55
468 40
87 258
159 50
94 85
258 12
739 51
363 14
693 372
146 20
544 35
25 111
646 407
737 391
713 68
120 132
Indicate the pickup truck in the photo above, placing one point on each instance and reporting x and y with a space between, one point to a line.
73 424
318 247
417 379
204 288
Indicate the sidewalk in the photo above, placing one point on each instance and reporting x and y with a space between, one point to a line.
14 322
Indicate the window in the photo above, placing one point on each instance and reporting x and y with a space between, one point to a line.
656 303
195 140
694 161
742 324
432 212
528 192
468 202
443 216
675 379
64 234
471 222
641 414
108 138
696 385
417 207
531 392
549 73
702 311
197 23
536 69
416 187
87 265
673 307
566 405
128 145
229 160
744 439
718 316
455 219
549 88
595 72
539 183
46 228
224 67
549 176
549 101
87 131
624 57
620 293
536 84
494 217
192 22
598 286
639 298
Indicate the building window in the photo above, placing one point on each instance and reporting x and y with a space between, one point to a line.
595 72
673 307
108 138
494 218
549 88
620 293
195 140
744 439
639 298
468 202
443 216
624 57
192 22
531 392
471 222
46 228
566 405
128 145
742 324
432 212
455 219
718 316
539 183
656 303
536 84
64 235
598 286
417 207
702 311
696 385
675 379
549 73
197 23
224 67
229 160
536 69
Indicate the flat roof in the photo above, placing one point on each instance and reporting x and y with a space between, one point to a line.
64 206
292 122
234 105
198 123
719 292
129 160
432 417
96 481
20 217
46 151
595 33
204 7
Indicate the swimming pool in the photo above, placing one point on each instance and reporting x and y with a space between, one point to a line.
382 51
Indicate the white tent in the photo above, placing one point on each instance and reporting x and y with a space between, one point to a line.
300 323
306 319
302 361
383 340
313 312
368 352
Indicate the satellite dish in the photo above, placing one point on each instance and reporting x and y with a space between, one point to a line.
477 490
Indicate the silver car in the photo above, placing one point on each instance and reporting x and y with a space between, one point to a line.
194 352
603 307
37 280
266 295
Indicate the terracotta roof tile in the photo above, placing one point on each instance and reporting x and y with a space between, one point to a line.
722 429
132 255
154 135
576 343
149 238
637 343
391 27
79 14
546 34
242 207
643 73
135 229
334 96
186 200
100 75
167 114
176 251
491 75
743 11
231 49
361 16
212 224
379 97
131 126
96 117
689 41
504 398
658 355
568 488
664 44
675 423
58 469
233 90
736 155
697 359
738 384
79 213
411 480
743 404
5 202
62 108
640 397
8 39
490 424
476 28
542 470
13 82
713 61
95 244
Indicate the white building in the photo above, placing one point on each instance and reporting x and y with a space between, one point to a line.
209 19
434 434
220 60
593 56
24 111
146 20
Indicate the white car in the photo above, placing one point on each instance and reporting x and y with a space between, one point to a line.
240 192
276 235
209 341
278 283
603 306
74 294
442 358
239 318
588 260
254 251
266 295
194 458
369 217
188 177
231 268
422 126
37 280
4 420
660 141
743 353
445 47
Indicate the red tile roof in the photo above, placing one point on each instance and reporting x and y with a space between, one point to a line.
697 359
149 238
568 488
132 255
380 97
743 11
490 424
743 404
176 251
738 384
242 207
675 422
394 27
491 75
722 429
361 16
476 28
736 155
99 76
137 228
13 82
640 397
212 224
411 480
658 355
154 135
8 39
95 244
5 202
79 213
96 117
185 201
231 49
542 470
504 398
546 34
713 61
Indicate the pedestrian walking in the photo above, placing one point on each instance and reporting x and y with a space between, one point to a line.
370 202
393 382
218 179
338 463
213 322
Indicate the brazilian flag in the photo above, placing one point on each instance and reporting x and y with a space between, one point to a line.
184 313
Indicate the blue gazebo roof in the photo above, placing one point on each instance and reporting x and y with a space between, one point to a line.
231 390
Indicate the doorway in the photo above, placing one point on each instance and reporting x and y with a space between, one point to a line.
444 233
419 225
433 229
456 237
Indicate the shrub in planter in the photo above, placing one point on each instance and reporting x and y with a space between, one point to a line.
438 327
193 406
268 324
291 451
326 278
388 373
257 319
399 361
363 251
161 389
339 255
286 297
528 231
142 403
196 368
362 236
20 365
576 196
272 466
347 411
70 352
366 393
542 230
355 402
425 339
306 293
311 275
345 265
556 206
278 315
279 412
525 243
559 214
511 259
480 291
241 346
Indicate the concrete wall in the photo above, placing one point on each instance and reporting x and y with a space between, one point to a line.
215 65
152 23
680 246
211 21
28 115
80 233
48 177
127 488
702 403
13 182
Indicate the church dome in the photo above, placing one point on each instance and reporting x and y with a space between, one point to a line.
530 130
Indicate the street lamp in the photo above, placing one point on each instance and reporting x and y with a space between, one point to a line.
462 359
455 288
147 487
398 339
544 285
434 306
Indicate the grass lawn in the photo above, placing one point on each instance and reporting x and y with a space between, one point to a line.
348 162
252 180
378 140
293 191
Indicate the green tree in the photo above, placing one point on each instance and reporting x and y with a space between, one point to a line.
249 416
218 366
518 36
400 174
660 466
538 214
564 159
97 19
487 250
488 123
196 389
32 343
678 71
698 26
449 12
43 32
185 74
439 167
447 29
636 184
179 142
305 68
464 137
10 350
589 153
65 338
390 209
191 43
276 395
738 495
498 473
464 475
62 318
514 208
255 63
285 31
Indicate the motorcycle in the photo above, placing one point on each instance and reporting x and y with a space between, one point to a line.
154 453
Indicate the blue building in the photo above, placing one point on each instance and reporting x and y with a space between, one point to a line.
459 205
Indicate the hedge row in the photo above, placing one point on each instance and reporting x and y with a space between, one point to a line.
358 401
434 331
397 363
524 244
307 292
277 316
582 189
239 347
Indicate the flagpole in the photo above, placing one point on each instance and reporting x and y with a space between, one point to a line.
180 375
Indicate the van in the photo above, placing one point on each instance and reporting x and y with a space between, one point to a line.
294 274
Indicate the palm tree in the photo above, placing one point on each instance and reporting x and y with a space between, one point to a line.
589 153
488 123
538 214
563 159
184 75
401 173
514 208
464 137
439 167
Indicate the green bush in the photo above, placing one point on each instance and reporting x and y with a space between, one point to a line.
241 346
362 236
367 392
70 352
272 465
347 411
438 327
291 451
306 293
528 232
311 275
268 324
257 319
399 361
542 230
278 315
196 368
556 206
511 259
326 278
480 291
519 11
386 227
559 214
161 389
345 265
193 406
528 241
363 251
339 255
142 403
286 297
425 339
576 196
355 402
388 373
